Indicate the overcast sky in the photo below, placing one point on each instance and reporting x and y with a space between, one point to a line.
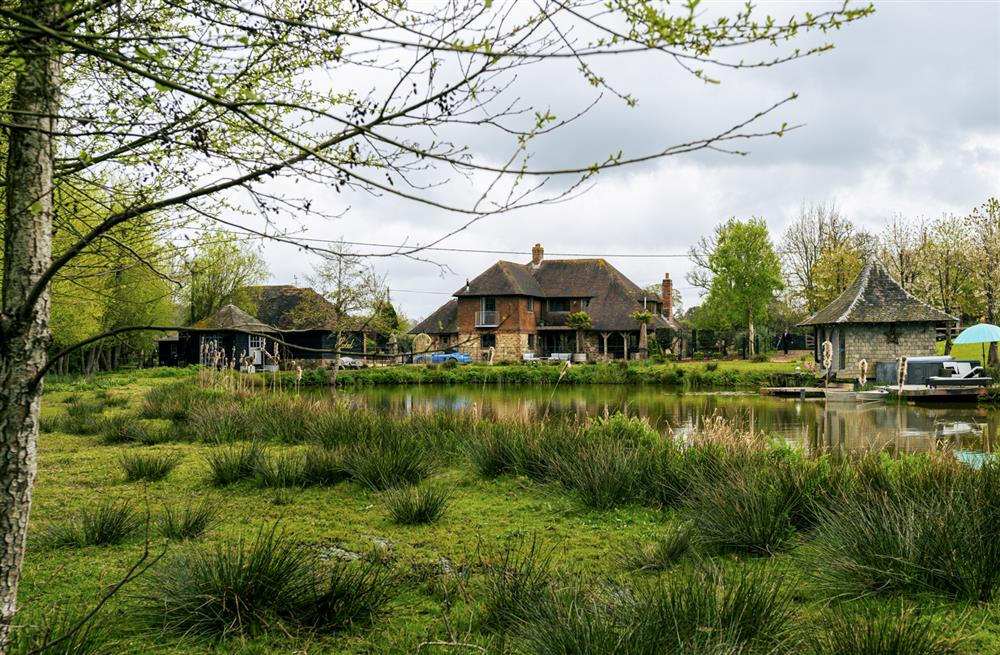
902 116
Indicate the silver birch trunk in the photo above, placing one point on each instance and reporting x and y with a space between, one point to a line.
24 327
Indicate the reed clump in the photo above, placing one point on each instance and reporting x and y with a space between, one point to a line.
109 523
147 466
517 577
190 521
233 463
917 526
415 505
696 611
663 553
393 458
863 628
267 582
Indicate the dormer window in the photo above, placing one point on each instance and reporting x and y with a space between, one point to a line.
584 304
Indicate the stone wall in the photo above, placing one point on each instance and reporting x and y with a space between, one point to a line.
878 342
508 345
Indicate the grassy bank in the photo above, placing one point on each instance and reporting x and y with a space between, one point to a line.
687 374
345 532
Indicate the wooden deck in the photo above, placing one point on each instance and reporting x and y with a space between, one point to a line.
793 392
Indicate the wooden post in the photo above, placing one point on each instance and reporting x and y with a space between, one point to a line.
604 336
625 343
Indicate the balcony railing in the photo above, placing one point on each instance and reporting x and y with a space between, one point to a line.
487 319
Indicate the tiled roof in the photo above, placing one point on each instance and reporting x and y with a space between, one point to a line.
613 297
444 320
875 297
231 317
503 279
293 308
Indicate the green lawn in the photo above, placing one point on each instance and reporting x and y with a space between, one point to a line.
435 601
965 350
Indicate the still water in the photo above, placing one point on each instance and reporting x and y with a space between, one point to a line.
818 426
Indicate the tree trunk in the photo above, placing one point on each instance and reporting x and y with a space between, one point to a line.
24 325
751 335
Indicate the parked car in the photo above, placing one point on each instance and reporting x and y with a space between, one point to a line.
441 357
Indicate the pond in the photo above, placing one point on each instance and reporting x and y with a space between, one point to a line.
817 426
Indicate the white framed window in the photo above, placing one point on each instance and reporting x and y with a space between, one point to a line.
531 304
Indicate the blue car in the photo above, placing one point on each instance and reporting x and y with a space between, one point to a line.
440 358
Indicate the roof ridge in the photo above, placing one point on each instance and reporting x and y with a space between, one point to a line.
910 295
863 275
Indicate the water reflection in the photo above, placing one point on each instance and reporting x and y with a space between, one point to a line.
837 428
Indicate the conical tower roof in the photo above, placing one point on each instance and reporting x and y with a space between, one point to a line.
876 297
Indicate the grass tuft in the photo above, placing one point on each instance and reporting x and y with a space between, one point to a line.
393 459
189 522
107 524
517 578
660 555
874 630
234 463
149 467
266 583
415 505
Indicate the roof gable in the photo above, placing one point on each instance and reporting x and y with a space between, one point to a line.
292 308
875 297
444 320
231 317
503 279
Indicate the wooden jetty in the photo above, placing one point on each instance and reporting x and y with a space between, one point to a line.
794 392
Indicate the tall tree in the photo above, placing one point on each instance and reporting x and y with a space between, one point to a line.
215 269
818 228
743 273
948 264
834 271
190 109
903 244
983 225
358 294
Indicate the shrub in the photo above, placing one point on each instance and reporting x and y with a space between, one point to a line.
517 578
414 505
233 463
244 587
711 367
150 467
189 522
109 523
393 459
874 630
662 554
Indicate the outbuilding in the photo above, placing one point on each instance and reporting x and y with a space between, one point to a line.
875 319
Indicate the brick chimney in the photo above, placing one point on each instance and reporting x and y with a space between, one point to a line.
668 297
536 255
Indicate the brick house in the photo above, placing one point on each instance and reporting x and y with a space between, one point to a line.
875 319
522 308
